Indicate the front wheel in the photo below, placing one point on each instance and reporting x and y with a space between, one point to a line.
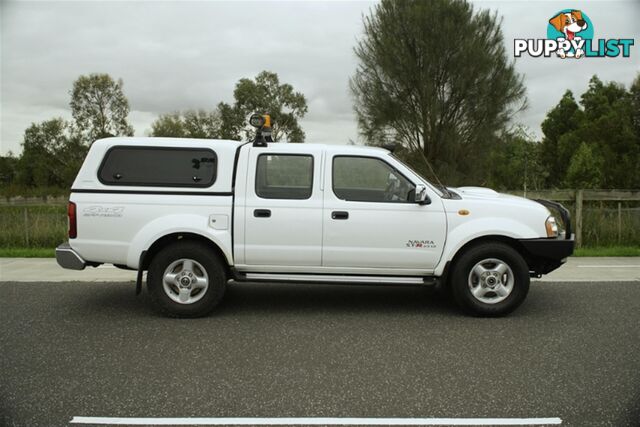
491 279
186 280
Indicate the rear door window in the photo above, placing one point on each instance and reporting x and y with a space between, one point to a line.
284 176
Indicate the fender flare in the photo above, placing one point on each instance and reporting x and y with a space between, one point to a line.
484 228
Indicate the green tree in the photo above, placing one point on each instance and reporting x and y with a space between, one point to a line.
265 94
8 168
231 122
609 128
516 164
168 125
52 153
560 121
585 169
99 107
599 97
216 124
435 76
635 104
606 121
201 124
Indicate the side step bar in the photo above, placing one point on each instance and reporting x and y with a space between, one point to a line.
324 278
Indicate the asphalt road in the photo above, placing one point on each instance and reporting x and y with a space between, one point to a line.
93 349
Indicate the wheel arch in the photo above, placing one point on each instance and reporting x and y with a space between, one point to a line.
166 240
509 241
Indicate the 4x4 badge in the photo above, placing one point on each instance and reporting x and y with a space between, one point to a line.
103 211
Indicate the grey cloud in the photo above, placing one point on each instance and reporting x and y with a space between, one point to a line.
174 56
180 55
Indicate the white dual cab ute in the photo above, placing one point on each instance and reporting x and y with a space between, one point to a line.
195 214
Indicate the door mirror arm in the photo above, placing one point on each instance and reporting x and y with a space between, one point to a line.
421 196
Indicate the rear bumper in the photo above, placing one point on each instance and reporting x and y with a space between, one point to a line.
547 254
68 258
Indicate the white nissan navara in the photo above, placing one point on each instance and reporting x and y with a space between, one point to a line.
197 213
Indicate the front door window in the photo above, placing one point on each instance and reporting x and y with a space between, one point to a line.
367 179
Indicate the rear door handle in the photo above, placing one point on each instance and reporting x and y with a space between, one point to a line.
262 213
339 215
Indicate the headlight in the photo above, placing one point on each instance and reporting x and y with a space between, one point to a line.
552 227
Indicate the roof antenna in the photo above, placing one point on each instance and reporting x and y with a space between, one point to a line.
394 145
433 172
390 146
262 123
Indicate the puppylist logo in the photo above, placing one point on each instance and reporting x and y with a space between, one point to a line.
570 35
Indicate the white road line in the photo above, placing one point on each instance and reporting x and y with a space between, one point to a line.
608 266
319 421
583 280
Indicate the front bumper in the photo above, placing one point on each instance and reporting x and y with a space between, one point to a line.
68 258
547 254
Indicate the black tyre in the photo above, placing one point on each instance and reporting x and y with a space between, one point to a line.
186 279
490 279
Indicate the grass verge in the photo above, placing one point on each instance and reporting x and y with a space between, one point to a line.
27 252
609 251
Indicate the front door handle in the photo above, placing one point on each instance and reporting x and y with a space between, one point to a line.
339 215
262 213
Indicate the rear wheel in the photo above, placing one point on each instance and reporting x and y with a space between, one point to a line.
490 279
186 279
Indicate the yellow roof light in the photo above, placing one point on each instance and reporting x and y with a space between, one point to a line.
260 120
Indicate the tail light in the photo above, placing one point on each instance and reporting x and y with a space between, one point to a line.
73 223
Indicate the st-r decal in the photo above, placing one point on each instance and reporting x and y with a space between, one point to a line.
421 244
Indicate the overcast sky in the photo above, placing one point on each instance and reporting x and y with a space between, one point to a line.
188 55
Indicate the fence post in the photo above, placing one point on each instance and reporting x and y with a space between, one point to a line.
619 222
26 227
579 194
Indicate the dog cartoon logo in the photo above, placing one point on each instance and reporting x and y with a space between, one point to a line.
570 34
570 25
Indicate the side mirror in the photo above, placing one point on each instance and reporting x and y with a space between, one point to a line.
421 195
